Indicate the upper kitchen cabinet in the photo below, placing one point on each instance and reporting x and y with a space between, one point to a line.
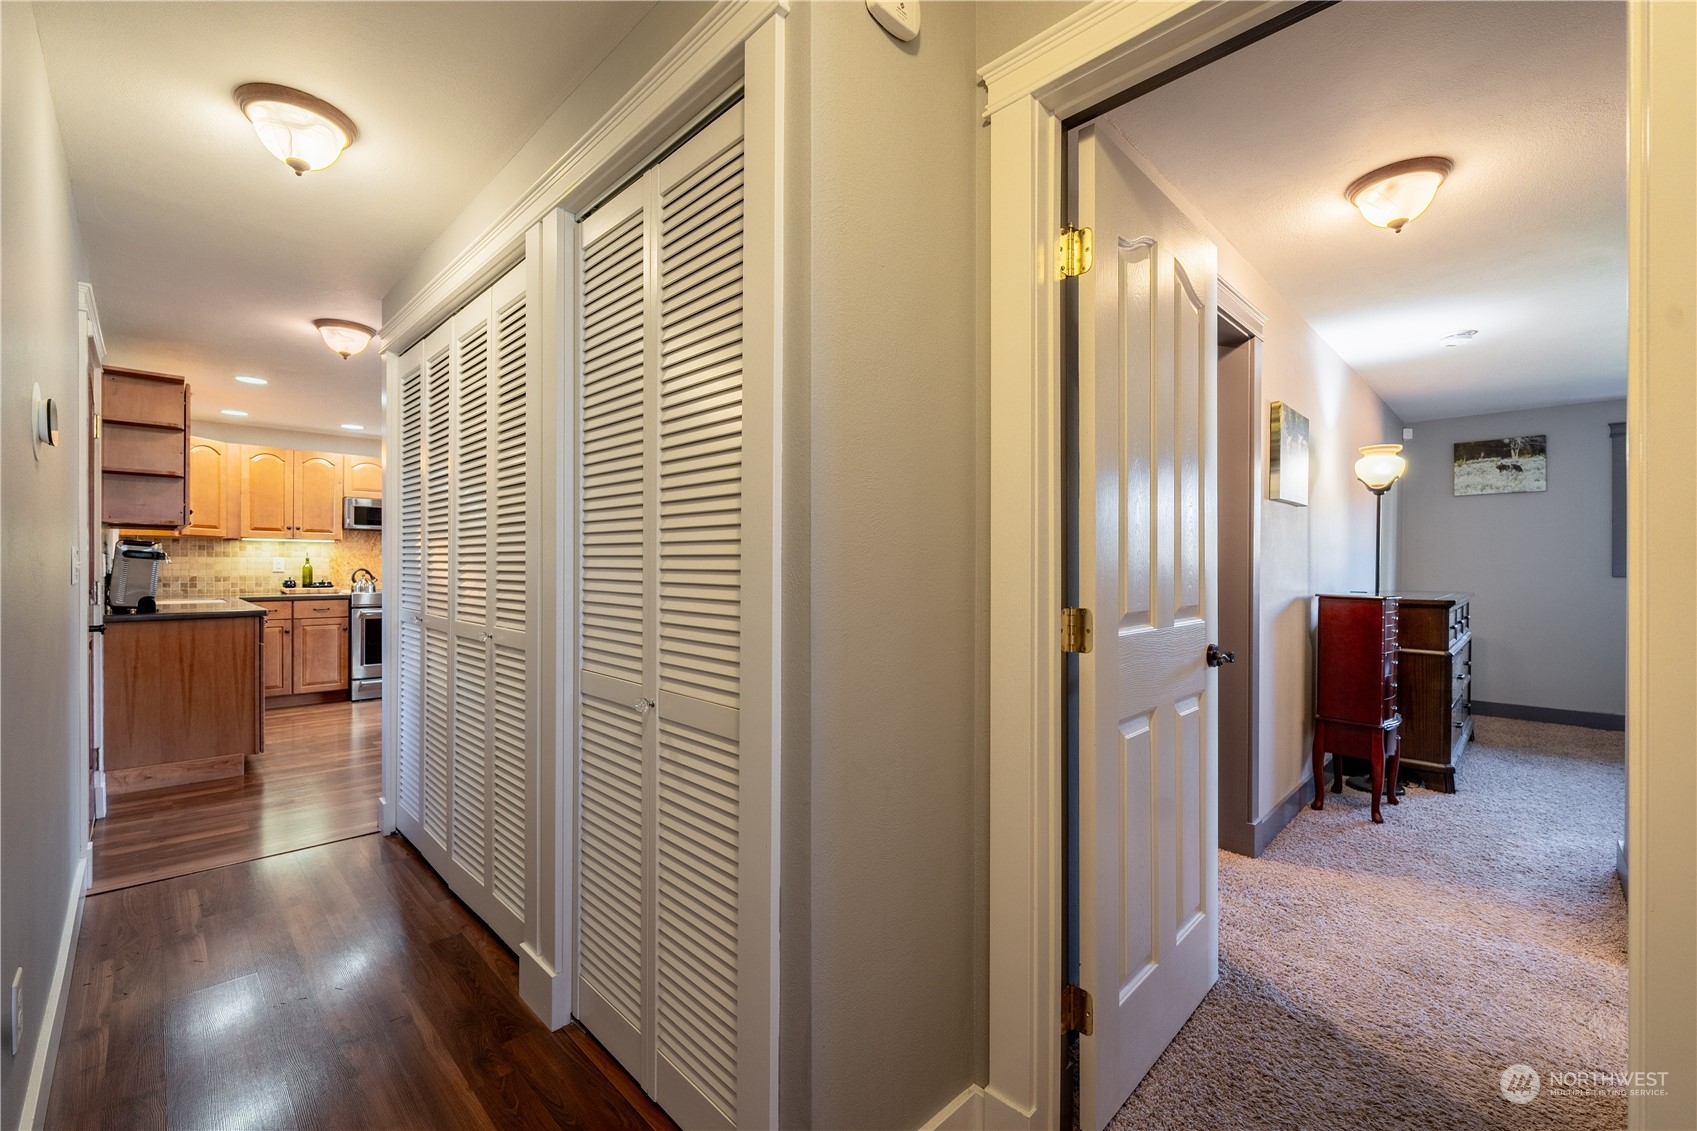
144 449
214 510
289 494
318 495
362 476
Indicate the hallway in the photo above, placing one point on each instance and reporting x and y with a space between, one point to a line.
337 987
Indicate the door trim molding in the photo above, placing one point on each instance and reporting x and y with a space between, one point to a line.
1070 67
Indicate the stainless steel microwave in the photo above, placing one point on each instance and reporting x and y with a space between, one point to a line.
362 514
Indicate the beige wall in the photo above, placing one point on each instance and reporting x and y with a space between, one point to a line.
652 37
43 635
897 543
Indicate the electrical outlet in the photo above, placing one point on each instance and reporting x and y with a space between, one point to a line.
15 1015
277 565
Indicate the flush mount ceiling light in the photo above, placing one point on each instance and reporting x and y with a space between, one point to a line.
1392 196
249 380
346 338
354 427
303 132
1459 338
232 412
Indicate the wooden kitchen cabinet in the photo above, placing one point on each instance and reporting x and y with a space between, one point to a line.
321 655
288 494
278 665
305 657
144 449
214 511
362 477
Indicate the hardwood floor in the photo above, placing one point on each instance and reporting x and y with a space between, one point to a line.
338 987
317 781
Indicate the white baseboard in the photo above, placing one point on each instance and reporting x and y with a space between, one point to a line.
99 797
546 991
978 1110
55 1001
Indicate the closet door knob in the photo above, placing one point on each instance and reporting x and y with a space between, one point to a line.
643 705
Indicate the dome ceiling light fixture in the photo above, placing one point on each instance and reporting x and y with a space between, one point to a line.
303 132
1459 338
346 338
1395 194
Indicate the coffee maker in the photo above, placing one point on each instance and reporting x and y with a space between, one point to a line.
135 574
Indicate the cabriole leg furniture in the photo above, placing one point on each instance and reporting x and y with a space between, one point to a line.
1378 745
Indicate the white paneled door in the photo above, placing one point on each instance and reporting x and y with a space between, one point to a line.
674 860
465 685
1148 904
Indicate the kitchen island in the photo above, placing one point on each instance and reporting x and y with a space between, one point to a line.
183 697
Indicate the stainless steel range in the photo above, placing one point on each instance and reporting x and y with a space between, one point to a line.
365 645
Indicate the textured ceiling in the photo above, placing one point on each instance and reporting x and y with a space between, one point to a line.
209 258
1526 242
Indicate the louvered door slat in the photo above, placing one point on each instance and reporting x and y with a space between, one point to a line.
661 474
699 602
407 686
466 502
614 451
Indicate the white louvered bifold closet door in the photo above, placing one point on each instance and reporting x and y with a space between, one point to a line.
466 684
661 910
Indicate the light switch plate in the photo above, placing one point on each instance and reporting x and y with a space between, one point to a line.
277 565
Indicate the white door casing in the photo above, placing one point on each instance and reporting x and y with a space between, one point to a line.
1148 822
674 858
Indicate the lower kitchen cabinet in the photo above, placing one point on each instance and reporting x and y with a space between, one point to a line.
306 650
321 655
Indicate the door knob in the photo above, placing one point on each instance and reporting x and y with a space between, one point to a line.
1217 658
643 705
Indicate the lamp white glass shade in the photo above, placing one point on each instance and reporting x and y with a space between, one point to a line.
1380 466
1392 196
346 338
303 132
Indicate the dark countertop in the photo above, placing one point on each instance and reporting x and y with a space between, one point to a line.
190 608
298 595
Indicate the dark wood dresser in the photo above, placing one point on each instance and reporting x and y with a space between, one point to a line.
1435 674
1356 702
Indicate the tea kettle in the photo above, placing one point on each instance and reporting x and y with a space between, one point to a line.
366 584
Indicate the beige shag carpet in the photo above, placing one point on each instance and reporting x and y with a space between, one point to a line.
1385 976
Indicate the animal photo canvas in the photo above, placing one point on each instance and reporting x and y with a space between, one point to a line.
1496 467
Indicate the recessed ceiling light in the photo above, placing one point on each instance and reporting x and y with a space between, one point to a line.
303 132
247 380
1391 196
233 412
354 427
1459 338
346 338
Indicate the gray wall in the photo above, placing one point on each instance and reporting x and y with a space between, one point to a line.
42 636
898 809
1549 623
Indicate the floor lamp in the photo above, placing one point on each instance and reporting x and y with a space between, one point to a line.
1378 469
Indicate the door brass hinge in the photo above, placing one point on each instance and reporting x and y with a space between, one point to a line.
97 426
1075 630
1078 1014
1076 252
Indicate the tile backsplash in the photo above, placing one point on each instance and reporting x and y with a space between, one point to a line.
219 567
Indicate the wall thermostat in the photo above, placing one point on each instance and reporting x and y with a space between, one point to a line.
46 420
898 17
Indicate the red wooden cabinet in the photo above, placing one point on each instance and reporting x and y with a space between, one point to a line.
1355 692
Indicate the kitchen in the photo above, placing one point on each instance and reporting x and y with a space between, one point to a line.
241 623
